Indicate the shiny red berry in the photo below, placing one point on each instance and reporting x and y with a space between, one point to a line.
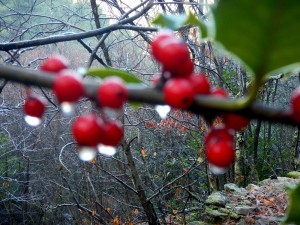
217 134
220 154
159 42
34 106
184 70
175 58
87 130
235 121
54 64
200 84
295 104
179 93
113 133
112 93
67 87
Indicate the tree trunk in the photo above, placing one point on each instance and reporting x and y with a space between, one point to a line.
147 205
255 142
294 154
98 25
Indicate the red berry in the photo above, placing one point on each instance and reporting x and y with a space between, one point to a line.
217 134
67 87
175 58
54 64
184 70
295 104
112 93
113 133
87 130
220 154
235 121
34 106
220 93
159 43
200 83
179 93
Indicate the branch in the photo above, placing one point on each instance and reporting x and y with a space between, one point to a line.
204 105
70 37
173 181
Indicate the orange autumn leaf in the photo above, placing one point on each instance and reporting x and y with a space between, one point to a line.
201 150
94 212
107 210
200 160
202 128
136 211
268 203
130 223
178 191
250 220
144 154
116 220
217 121
175 211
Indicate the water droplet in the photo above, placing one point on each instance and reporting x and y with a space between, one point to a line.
107 150
67 108
87 153
217 170
163 110
81 71
32 121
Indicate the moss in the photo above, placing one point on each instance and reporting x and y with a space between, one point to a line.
294 174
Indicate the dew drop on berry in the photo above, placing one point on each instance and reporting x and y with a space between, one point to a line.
32 121
87 153
67 108
217 170
163 111
106 150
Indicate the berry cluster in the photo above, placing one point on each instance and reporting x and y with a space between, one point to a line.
90 132
180 83
180 86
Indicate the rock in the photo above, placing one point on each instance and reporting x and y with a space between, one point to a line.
252 187
280 181
229 212
244 209
216 214
293 174
231 187
197 223
217 199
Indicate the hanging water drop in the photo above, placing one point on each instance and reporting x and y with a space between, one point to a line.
163 110
87 153
32 121
107 150
67 108
217 170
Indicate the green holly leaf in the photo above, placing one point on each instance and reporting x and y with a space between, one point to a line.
172 22
264 34
193 20
293 215
107 72
175 22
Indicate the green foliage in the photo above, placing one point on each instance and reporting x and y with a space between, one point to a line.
106 72
264 34
174 22
293 215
